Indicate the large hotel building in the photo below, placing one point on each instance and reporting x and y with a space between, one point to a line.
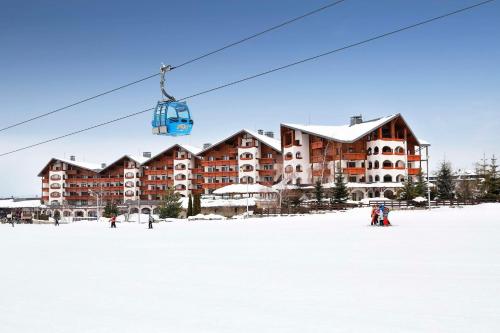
374 156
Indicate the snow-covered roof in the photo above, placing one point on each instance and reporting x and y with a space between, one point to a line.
244 188
85 165
219 202
343 133
191 149
10 203
348 133
271 142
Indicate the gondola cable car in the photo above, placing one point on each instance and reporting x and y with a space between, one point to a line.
170 117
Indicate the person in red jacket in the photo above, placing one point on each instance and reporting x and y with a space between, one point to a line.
386 217
113 221
374 215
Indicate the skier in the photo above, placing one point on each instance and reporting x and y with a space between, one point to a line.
374 215
381 215
151 220
113 221
10 218
56 221
386 217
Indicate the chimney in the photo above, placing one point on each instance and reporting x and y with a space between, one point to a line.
103 165
261 132
356 120
72 158
146 154
270 134
206 145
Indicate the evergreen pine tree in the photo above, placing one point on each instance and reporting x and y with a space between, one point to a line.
110 209
170 206
57 215
421 185
318 191
190 206
196 204
409 190
492 181
340 192
444 182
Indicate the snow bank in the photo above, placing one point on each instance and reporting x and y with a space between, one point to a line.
206 217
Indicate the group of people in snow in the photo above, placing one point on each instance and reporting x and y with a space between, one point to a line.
150 221
380 215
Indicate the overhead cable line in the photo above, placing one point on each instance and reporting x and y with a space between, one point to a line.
261 74
42 115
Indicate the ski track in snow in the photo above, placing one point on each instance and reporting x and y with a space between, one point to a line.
436 271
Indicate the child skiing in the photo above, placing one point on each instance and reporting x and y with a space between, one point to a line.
151 220
374 215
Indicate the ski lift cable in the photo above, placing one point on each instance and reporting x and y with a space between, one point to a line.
258 34
387 34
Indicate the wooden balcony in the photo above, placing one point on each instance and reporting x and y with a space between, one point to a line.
266 160
317 145
321 158
219 162
106 180
354 171
220 174
159 172
196 170
413 158
158 182
321 172
354 156
413 171
215 185
264 172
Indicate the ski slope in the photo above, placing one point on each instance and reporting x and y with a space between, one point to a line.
433 271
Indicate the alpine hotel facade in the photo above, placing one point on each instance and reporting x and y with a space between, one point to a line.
374 157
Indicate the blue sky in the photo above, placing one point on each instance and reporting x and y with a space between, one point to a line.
443 77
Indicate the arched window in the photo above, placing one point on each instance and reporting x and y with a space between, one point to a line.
247 168
400 164
180 176
180 166
288 156
369 151
55 185
129 193
246 180
376 165
387 164
377 178
370 165
389 194
400 178
298 155
66 213
55 195
180 187
386 150
399 150
129 184
129 175
246 156
370 179
55 177
298 168
387 179
375 151
289 169
298 181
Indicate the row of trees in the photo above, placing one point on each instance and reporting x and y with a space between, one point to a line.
485 186
337 194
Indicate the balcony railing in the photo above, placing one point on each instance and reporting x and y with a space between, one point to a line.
220 174
267 160
321 172
413 158
159 172
219 162
354 171
413 171
354 156
264 172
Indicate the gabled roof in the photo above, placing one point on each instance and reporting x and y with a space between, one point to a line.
138 159
190 149
84 165
349 133
268 141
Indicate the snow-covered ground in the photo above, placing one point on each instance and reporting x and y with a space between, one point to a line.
433 271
